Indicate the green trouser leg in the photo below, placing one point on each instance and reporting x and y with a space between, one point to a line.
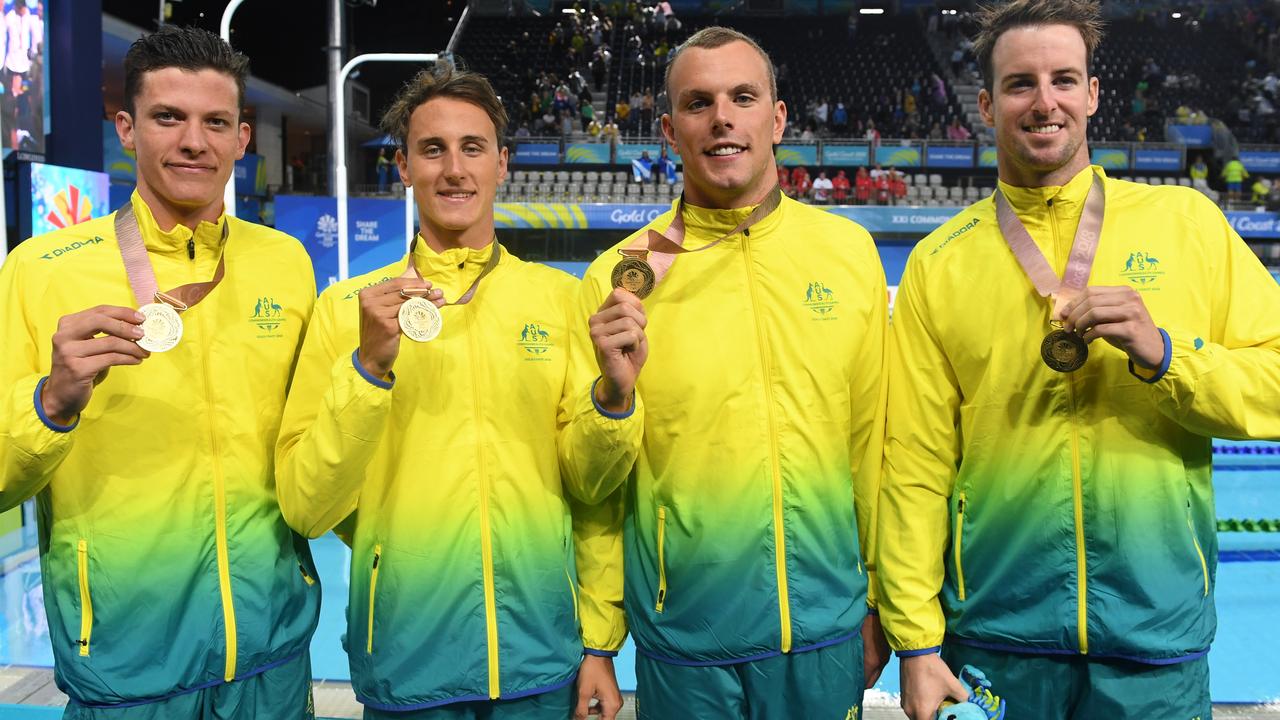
822 684
1073 687
553 705
281 693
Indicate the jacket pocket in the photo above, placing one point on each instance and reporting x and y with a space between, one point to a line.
306 576
86 600
662 561
1204 566
957 547
373 595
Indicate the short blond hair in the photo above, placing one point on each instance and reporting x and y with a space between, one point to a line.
714 37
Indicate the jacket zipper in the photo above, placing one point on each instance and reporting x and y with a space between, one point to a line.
486 542
1077 493
779 530
373 590
220 510
958 544
306 576
662 561
1204 566
86 601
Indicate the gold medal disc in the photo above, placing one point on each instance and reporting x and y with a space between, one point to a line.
1063 351
162 328
635 276
420 319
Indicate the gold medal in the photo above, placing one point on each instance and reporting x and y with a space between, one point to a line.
162 328
634 275
1063 351
420 319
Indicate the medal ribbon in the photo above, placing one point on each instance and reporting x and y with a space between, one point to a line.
142 277
412 271
1083 247
662 249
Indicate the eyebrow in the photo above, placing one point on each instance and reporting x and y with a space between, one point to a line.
1056 73
164 108
746 87
437 140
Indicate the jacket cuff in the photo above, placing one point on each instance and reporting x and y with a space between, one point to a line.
915 653
599 653
373 380
39 403
1153 376
611 415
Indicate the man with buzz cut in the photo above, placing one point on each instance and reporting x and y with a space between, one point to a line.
1062 354
423 424
746 522
173 586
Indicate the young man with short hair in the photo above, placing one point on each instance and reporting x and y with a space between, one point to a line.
427 436
174 588
747 517
1046 513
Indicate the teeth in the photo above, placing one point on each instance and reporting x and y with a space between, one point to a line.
726 151
1045 129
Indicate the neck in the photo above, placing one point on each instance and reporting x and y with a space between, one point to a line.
1031 177
439 239
731 198
168 215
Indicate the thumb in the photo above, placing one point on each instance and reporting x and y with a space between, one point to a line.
956 689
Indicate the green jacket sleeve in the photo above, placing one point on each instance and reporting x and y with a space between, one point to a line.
867 399
597 546
922 452
332 423
1225 384
597 449
31 445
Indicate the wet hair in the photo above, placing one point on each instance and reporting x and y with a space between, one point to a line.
443 80
186 48
995 20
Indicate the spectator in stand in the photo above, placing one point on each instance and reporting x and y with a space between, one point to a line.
784 182
862 186
873 136
566 123
1261 189
909 107
609 133
956 131
822 188
939 91
897 186
594 129
523 131
622 111
588 114
800 182
1199 174
646 105
876 171
840 188
883 188
821 114
1234 173
935 132
840 118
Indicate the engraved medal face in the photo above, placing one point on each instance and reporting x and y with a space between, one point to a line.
420 319
162 329
635 276
1063 351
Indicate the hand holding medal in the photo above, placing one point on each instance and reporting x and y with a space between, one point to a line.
392 307
617 332
1118 315
87 345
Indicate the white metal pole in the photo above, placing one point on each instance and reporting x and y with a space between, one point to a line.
340 130
409 211
229 192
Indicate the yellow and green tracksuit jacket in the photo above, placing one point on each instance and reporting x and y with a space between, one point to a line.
166 564
1034 511
445 480
747 517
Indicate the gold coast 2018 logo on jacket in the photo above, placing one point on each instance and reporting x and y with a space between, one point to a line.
535 341
268 316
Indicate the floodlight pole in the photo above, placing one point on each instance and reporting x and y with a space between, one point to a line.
229 192
340 152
